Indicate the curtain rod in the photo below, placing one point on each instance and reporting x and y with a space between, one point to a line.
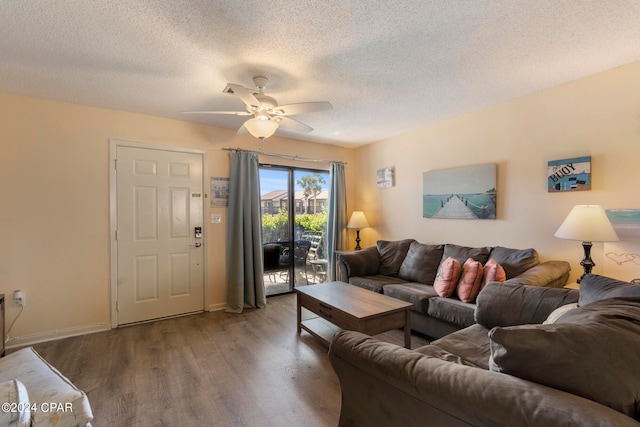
285 156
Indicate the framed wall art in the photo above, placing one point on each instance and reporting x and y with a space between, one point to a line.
386 178
626 222
219 192
569 174
460 193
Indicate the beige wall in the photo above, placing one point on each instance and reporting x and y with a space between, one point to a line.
597 116
54 220
54 185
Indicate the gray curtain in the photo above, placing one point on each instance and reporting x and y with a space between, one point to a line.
245 281
337 221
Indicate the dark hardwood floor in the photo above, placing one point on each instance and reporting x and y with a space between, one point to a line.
209 369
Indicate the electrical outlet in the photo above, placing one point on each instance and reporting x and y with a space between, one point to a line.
18 298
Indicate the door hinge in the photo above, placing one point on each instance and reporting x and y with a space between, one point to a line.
117 306
116 234
115 164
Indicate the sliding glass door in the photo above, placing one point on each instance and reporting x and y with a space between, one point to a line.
294 204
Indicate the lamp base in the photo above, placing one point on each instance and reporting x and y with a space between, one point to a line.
358 240
586 263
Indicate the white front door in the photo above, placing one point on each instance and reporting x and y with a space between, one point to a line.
160 260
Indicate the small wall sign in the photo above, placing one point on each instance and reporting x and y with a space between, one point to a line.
386 178
569 174
219 192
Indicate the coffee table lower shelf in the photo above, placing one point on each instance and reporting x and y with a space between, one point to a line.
320 328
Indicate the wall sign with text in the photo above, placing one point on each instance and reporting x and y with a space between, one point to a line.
569 174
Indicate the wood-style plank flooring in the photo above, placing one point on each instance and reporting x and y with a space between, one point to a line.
208 369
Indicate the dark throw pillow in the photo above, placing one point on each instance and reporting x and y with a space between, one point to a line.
596 288
392 254
462 253
362 263
421 263
592 351
510 304
515 261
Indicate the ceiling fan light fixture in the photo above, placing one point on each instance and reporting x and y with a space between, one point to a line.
261 127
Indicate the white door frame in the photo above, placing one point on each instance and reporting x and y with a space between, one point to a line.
113 217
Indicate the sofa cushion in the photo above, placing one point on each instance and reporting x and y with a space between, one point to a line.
392 254
470 281
447 277
365 262
515 261
421 263
451 310
415 293
596 288
471 344
593 352
46 384
493 272
15 397
509 304
374 283
462 253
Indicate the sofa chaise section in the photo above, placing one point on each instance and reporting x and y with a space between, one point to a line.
536 357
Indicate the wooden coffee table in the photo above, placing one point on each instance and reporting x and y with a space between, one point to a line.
349 307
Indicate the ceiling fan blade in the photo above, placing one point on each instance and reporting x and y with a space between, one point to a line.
302 108
293 124
246 95
235 113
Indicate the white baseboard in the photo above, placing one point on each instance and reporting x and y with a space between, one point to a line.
217 307
28 340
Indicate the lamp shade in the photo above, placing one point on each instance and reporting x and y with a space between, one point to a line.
358 220
587 223
261 127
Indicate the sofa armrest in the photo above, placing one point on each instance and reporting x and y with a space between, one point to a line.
383 384
550 274
365 262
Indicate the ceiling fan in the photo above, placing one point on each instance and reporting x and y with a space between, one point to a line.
268 116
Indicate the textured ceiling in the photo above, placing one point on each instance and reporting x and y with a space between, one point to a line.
387 67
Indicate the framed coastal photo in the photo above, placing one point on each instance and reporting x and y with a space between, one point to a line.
386 178
461 193
569 174
626 222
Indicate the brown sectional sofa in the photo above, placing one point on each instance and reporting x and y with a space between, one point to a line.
534 358
406 269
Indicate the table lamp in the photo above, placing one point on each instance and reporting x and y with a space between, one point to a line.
587 223
358 220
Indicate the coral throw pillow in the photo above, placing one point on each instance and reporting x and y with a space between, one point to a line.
447 277
493 272
471 281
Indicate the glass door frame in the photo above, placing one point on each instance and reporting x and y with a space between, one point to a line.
291 214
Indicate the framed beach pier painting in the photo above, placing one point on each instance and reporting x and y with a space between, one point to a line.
461 193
